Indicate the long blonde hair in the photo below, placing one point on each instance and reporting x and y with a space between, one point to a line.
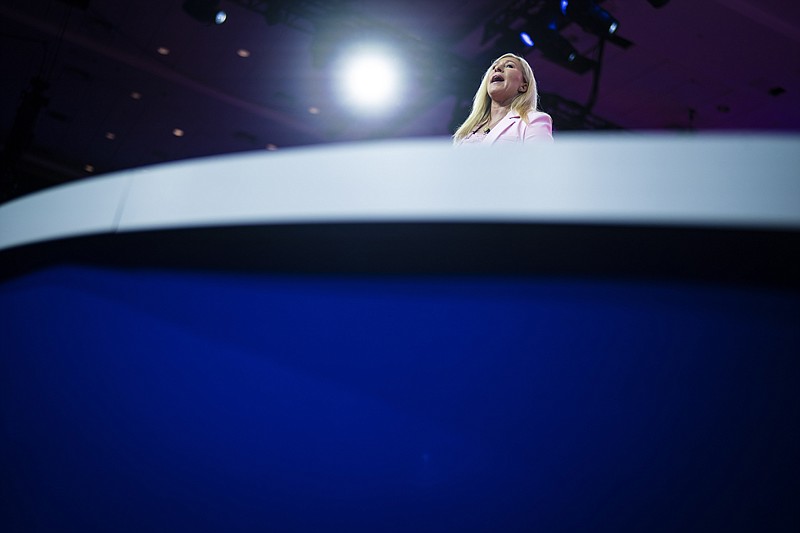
481 111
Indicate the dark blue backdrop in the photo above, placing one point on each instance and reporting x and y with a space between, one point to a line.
163 400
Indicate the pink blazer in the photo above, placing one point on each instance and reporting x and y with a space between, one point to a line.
512 129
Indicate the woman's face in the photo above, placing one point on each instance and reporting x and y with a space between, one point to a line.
506 80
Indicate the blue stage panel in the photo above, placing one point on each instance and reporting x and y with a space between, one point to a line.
162 400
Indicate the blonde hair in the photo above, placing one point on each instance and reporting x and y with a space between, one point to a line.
481 111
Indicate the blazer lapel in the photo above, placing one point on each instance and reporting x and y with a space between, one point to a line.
508 121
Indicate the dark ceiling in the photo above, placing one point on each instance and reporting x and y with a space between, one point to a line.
111 101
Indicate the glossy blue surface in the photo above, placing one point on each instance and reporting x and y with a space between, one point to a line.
163 401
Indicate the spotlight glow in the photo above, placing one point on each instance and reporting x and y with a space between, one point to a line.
220 17
369 80
526 38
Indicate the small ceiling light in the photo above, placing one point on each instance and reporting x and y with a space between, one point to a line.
136 95
271 147
110 135
242 52
88 168
313 110
177 132
163 50
205 11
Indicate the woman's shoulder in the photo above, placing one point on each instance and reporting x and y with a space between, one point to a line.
538 125
538 117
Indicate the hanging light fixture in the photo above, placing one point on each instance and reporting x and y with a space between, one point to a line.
205 11
556 48
589 16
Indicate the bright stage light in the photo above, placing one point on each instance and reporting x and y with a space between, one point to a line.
369 80
526 39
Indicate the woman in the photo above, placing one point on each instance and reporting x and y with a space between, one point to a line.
504 108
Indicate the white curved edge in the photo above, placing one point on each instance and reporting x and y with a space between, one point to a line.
87 207
748 181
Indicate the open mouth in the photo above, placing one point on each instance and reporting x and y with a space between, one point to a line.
497 77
